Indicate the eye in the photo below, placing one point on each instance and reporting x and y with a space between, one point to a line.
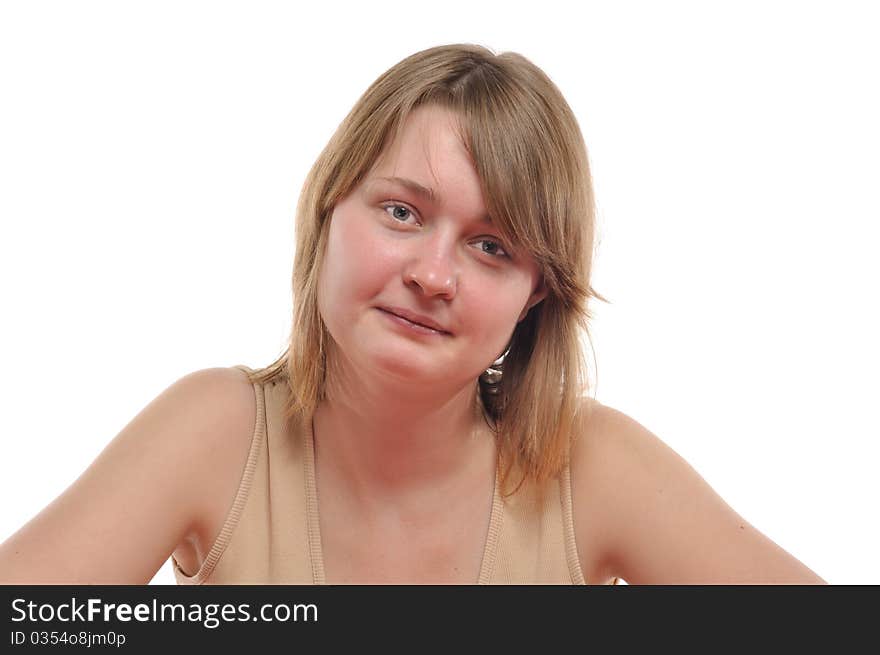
399 213
495 249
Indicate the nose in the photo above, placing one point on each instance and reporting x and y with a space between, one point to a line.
432 268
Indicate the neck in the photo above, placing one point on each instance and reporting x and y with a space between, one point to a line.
387 440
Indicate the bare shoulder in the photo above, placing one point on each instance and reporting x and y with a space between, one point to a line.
228 396
644 514
157 484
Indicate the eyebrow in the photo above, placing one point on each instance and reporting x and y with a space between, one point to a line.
413 186
421 191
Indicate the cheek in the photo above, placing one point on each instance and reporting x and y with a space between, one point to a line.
335 274
357 264
493 313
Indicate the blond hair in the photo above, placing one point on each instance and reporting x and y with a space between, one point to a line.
530 156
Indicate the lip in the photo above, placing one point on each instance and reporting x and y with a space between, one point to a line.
415 317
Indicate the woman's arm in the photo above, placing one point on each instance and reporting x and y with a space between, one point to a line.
658 520
144 494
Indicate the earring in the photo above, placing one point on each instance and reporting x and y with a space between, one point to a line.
493 374
500 361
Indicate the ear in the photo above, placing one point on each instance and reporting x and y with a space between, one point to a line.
537 296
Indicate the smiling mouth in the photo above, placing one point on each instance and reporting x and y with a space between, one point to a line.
414 325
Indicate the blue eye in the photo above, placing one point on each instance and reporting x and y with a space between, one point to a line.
396 214
400 213
495 248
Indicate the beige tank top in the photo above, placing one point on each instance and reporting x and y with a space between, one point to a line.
271 534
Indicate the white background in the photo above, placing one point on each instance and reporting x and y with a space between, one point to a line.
151 155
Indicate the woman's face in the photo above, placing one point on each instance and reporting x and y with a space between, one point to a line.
391 250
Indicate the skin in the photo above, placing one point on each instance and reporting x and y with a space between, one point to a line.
404 467
398 424
396 451
404 464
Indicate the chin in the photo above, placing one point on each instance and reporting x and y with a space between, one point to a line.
399 363
401 367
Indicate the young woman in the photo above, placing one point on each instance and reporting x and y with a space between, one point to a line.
429 421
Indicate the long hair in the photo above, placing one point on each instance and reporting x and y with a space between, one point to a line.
530 156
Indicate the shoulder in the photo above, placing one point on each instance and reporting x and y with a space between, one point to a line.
225 401
650 518
213 412
218 404
596 451
627 485
222 406
218 379
175 466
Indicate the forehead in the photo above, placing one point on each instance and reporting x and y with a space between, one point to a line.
429 151
427 131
